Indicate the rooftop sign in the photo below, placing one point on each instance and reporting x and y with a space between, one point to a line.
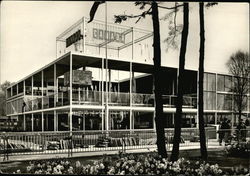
74 38
110 36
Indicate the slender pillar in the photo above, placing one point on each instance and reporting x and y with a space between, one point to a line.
55 121
216 115
106 67
131 76
11 91
24 122
70 84
83 33
17 92
55 86
32 122
102 94
83 121
197 114
24 88
32 92
42 121
42 87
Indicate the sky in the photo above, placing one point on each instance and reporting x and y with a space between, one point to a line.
29 30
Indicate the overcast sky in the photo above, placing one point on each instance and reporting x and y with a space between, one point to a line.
29 30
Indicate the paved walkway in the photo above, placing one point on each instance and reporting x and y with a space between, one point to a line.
187 146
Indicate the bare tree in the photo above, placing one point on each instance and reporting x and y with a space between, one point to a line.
3 90
203 148
152 10
177 120
239 67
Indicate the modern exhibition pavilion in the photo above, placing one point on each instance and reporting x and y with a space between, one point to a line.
102 79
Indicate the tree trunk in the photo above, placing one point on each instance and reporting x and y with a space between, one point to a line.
177 120
158 95
203 148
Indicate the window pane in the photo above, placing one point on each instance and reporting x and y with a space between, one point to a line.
143 120
211 82
220 83
205 81
209 100
220 101
228 102
228 83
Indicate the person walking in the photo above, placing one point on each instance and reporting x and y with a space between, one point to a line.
221 131
227 131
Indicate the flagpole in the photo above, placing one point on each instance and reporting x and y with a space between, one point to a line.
106 65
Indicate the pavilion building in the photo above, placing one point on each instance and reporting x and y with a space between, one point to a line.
102 79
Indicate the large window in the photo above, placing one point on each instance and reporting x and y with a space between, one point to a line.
224 83
209 101
224 102
211 84
143 120
209 91
244 103
220 83
119 120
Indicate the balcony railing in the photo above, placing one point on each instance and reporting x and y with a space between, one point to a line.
87 97
49 142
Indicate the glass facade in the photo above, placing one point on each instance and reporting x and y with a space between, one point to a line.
119 120
224 102
209 91
143 120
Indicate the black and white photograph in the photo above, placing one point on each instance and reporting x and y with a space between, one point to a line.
124 88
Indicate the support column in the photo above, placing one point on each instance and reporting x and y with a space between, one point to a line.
24 122
24 88
32 92
17 89
83 121
107 97
216 115
42 88
42 121
102 93
197 114
70 84
131 76
55 121
55 86
32 122
83 33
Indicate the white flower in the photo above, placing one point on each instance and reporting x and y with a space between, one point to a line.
101 166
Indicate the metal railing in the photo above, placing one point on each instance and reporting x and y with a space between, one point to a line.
32 143
114 99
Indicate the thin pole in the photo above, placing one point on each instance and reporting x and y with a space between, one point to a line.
131 80
70 84
106 67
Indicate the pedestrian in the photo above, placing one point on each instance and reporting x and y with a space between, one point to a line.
222 130
227 131
241 131
247 122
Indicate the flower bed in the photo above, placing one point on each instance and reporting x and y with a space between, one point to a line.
148 164
239 149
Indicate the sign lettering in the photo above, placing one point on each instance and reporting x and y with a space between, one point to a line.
74 38
101 34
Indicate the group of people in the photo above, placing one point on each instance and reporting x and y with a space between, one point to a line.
225 131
